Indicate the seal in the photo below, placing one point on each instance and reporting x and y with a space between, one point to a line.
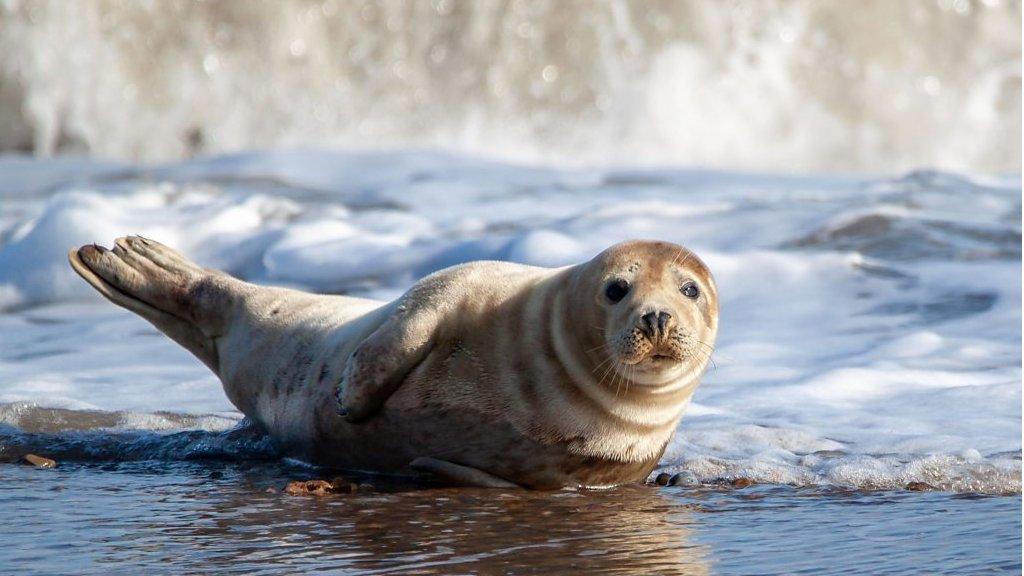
487 373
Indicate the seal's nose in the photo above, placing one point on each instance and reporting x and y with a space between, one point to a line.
655 323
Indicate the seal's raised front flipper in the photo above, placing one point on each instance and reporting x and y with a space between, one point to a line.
459 474
180 298
381 362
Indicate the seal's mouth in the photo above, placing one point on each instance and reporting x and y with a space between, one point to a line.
652 354
659 360
662 360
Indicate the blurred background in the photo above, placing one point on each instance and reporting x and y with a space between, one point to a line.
800 85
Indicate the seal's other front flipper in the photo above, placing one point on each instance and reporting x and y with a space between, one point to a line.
459 474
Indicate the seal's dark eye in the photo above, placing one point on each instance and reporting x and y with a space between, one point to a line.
616 290
690 290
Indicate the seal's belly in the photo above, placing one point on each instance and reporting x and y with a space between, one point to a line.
448 409
409 427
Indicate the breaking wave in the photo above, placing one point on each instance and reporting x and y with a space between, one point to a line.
799 85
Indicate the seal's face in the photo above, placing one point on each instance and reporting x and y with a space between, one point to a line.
657 306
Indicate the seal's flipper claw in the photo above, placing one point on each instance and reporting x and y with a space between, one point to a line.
375 370
354 414
339 404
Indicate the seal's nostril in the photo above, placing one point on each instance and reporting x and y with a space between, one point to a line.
649 323
655 324
663 319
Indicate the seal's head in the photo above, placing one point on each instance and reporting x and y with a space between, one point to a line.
652 309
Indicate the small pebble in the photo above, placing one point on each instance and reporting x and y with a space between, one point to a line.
342 486
678 480
39 461
741 482
919 486
662 479
345 488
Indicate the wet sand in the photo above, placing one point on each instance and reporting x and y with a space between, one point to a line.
189 517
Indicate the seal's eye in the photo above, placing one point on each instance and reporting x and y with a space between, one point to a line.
690 290
616 290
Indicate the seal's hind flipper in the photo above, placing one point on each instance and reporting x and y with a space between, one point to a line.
459 474
158 284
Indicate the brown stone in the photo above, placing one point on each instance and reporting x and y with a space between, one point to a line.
39 461
337 485
919 486
315 487
741 482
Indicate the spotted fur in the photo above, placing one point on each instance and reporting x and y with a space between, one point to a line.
529 374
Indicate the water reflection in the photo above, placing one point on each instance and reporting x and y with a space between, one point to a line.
215 517
436 531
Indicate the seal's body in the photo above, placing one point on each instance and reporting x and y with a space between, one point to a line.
488 373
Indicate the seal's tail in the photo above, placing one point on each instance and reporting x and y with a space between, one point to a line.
183 300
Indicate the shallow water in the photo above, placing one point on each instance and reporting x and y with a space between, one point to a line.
870 339
155 517
128 500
